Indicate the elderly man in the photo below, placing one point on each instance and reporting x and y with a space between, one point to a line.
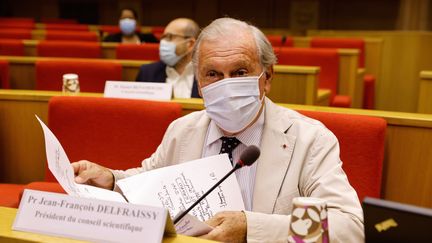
175 51
299 156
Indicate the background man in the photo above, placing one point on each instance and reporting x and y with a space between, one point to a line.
299 156
175 52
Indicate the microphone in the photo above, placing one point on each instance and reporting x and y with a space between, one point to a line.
248 157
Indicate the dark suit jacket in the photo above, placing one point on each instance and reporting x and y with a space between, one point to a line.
155 72
117 37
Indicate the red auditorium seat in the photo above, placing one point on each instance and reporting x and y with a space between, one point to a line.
326 59
351 43
45 20
112 29
369 91
70 27
4 74
21 34
158 31
361 140
10 195
71 35
17 23
130 132
147 51
280 40
11 47
92 73
69 49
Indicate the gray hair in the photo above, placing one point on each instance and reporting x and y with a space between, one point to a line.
223 26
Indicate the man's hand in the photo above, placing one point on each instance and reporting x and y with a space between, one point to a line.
228 227
87 172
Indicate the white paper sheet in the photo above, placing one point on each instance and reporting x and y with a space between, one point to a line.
60 166
190 225
179 186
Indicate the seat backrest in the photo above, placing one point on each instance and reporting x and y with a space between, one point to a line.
11 47
4 74
349 43
361 140
47 20
72 27
326 59
71 35
280 40
69 49
21 34
17 23
146 51
92 74
116 133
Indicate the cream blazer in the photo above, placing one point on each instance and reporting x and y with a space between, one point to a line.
299 157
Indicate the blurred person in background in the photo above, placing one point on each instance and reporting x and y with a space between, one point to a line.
175 66
128 27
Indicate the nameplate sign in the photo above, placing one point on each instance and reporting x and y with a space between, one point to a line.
90 219
138 90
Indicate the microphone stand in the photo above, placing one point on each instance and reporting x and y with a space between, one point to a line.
181 215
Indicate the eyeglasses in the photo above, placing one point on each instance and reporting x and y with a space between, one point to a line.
169 36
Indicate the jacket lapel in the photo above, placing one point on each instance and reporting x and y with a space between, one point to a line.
276 151
192 144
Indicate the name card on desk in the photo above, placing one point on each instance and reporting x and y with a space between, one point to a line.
90 219
138 90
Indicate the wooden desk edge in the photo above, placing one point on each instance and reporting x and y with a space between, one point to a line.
426 75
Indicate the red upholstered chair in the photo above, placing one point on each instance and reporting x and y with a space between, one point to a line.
280 40
71 35
326 59
369 91
361 140
4 74
10 195
147 51
116 133
70 27
11 47
109 29
158 31
92 74
17 23
69 49
351 43
21 34
46 20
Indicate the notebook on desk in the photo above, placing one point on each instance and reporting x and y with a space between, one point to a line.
387 221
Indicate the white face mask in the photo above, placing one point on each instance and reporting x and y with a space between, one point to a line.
167 53
233 103
127 26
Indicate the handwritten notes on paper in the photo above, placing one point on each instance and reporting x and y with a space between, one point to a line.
179 186
174 188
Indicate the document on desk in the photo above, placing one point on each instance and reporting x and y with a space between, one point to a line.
60 167
179 186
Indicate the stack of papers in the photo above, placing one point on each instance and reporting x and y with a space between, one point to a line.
174 188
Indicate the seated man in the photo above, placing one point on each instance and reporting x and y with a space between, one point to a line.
175 52
299 156
128 23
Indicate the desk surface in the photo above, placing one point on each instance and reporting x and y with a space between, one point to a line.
7 216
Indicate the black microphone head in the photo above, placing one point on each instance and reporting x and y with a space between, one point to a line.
249 156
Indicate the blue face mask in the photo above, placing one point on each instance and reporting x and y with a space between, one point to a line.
127 26
167 53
